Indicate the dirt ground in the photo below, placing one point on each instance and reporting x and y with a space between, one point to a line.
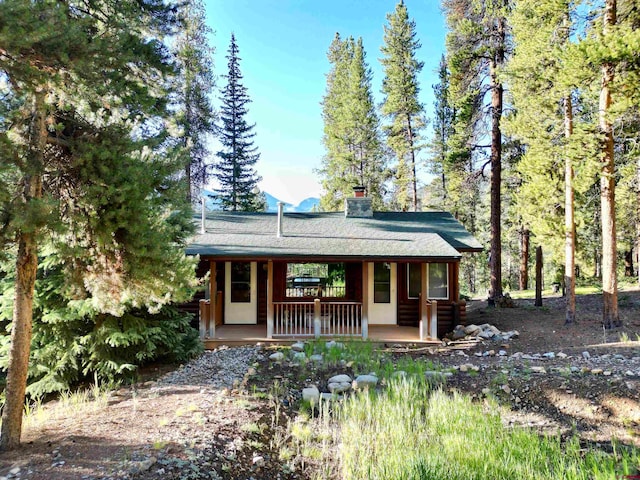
143 431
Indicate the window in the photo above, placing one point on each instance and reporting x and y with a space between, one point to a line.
240 282
439 281
381 283
414 279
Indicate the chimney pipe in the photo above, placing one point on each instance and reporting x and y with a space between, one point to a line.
203 215
358 191
280 205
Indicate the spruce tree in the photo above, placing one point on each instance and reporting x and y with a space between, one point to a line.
195 82
86 164
234 170
351 128
400 104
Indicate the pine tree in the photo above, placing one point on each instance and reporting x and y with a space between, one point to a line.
477 47
442 128
193 85
351 128
234 170
401 105
85 163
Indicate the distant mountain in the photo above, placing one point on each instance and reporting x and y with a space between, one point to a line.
306 205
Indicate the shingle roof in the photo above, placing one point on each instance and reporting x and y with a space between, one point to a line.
318 235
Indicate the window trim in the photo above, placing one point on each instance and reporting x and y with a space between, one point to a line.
232 283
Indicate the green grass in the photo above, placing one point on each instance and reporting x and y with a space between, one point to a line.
409 432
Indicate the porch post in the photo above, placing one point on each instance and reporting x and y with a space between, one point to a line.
423 299
316 318
213 297
270 299
365 300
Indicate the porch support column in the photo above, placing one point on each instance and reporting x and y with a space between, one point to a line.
365 300
424 311
213 297
270 299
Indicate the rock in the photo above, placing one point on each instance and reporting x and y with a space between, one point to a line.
466 367
629 373
478 354
596 371
365 381
277 357
492 353
339 387
317 358
14 471
549 355
586 355
334 344
299 357
437 376
506 389
562 355
458 333
517 355
618 356
538 370
311 395
486 391
258 461
510 334
472 329
327 397
607 373
502 353
343 378
298 347
486 334
399 374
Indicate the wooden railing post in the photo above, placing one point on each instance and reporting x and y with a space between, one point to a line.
425 305
316 318
213 299
365 301
424 316
433 322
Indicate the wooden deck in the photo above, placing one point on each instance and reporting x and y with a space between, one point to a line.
248 334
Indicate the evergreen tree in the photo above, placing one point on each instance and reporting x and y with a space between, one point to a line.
351 128
194 113
401 105
477 45
234 169
85 164
442 129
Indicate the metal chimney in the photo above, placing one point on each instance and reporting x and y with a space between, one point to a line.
280 205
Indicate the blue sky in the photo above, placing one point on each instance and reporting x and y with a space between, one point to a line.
283 45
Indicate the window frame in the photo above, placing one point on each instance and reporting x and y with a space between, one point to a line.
377 282
233 282
419 267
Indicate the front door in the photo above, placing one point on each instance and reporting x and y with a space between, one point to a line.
382 294
240 299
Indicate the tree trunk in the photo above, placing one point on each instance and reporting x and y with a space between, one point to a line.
26 268
524 259
495 264
569 221
628 263
538 277
610 315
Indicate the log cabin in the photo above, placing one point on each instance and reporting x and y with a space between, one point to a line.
330 274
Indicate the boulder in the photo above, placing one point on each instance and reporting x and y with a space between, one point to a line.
317 358
311 395
298 347
365 381
472 329
277 357
299 357
343 378
339 387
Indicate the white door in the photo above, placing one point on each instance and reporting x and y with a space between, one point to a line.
382 294
241 293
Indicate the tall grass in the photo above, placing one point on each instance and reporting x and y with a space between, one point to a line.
409 432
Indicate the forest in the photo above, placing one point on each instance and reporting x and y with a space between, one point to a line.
106 128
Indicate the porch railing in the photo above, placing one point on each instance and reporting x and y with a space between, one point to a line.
316 319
